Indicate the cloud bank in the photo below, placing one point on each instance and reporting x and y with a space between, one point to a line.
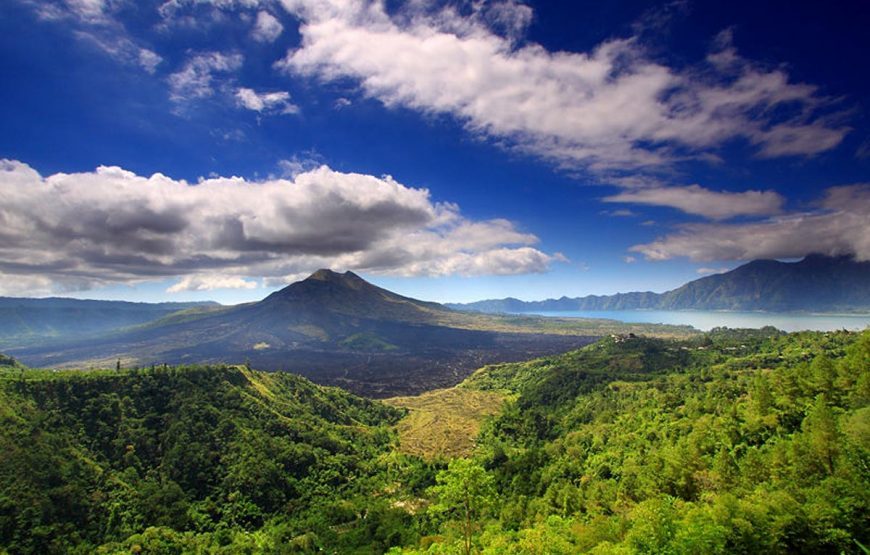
612 108
839 226
79 230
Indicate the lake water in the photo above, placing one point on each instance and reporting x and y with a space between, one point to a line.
706 320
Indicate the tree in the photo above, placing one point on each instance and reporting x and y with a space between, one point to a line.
466 490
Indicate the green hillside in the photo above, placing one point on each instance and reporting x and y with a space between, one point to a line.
205 459
736 441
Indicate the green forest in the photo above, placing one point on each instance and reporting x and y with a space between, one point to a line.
734 441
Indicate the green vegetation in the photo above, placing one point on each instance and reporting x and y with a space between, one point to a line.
735 441
366 342
596 327
194 459
7 362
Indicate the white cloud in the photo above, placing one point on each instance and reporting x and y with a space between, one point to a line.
209 282
27 286
267 27
113 226
170 9
838 227
264 103
95 22
710 271
695 199
149 60
296 165
91 11
621 213
195 78
610 108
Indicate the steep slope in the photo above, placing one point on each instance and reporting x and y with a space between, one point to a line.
205 456
350 295
815 284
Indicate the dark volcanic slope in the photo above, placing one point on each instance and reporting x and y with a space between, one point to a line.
815 284
334 328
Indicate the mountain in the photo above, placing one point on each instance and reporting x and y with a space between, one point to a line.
35 320
815 284
336 329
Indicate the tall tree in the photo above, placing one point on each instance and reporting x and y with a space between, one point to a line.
465 490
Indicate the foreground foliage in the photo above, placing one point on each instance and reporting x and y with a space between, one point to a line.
738 442
732 442
210 459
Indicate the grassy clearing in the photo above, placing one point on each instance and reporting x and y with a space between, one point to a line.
445 422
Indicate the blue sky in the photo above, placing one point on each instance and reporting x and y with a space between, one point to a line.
217 149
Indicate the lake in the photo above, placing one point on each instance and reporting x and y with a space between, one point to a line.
706 320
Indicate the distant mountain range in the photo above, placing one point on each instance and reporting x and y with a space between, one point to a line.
34 320
815 284
336 329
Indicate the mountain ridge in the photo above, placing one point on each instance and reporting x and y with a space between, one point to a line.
817 283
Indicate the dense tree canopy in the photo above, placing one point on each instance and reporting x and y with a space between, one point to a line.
733 442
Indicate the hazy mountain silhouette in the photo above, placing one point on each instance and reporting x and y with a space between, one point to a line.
815 284
34 320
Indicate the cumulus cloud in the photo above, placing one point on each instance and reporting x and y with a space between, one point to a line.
610 108
695 199
210 282
27 286
710 271
839 226
267 28
113 226
195 78
266 103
